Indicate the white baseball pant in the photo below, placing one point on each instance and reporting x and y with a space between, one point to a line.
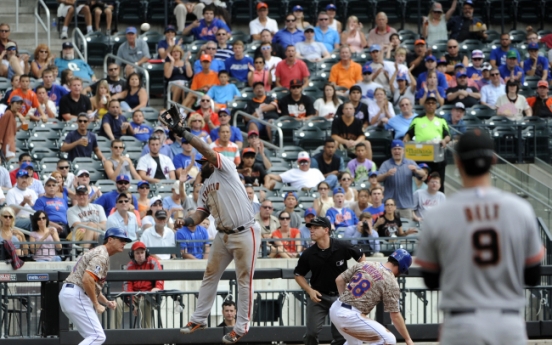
357 329
484 327
242 248
80 311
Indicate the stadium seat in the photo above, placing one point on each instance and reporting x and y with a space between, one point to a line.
505 139
471 45
482 112
42 152
4 84
288 125
313 92
393 9
157 78
309 138
492 35
156 12
531 82
319 122
132 11
152 38
290 153
98 46
472 121
406 34
240 10
499 121
518 36
85 163
106 186
380 139
117 40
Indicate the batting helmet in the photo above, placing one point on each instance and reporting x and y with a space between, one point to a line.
403 258
116 232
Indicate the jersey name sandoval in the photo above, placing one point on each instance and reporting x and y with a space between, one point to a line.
224 197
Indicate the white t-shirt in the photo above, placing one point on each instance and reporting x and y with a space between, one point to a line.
274 60
299 178
521 105
16 195
374 109
368 89
50 104
255 26
148 164
90 214
381 78
115 220
325 109
152 239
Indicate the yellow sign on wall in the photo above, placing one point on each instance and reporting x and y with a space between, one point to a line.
424 152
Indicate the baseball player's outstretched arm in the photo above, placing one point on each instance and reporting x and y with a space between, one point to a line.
202 147
398 322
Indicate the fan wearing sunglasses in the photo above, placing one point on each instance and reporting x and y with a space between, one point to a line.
286 248
81 142
9 233
54 206
43 232
124 217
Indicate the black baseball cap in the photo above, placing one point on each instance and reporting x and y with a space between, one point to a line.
320 221
161 214
475 149
82 189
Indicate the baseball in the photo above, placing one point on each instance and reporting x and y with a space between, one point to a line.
145 27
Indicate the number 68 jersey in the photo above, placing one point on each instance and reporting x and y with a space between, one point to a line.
368 284
480 240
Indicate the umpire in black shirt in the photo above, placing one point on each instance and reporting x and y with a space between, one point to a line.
326 260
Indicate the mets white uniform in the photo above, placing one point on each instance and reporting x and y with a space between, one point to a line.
74 302
224 197
368 283
481 240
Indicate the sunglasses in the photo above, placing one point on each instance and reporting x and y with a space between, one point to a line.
157 203
205 100
267 207
114 69
64 167
118 147
41 218
304 163
221 34
7 216
295 87
323 19
345 179
477 59
4 31
123 201
211 48
144 187
452 47
196 120
285 218
83 121
43 51
290 20
494 74
83 175
123 182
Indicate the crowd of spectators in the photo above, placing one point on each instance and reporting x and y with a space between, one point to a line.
373 82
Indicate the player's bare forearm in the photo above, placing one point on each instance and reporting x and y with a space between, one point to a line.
90 288
202 147
340 282
196 218
303 283
398 322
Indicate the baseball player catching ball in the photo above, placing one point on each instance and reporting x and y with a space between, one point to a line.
81 297
480 246
224 197
361 288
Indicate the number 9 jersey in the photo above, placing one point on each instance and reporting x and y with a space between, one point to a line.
480 240
370 283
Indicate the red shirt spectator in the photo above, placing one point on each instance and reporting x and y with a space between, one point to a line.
291 68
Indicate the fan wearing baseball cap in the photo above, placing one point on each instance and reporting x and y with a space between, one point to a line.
262 22
140 260
431 66
253 173
295 103
455 118
536 65
511 70
462 92
262 106
302 177
475 71
202 80
429 127
541 103
460 26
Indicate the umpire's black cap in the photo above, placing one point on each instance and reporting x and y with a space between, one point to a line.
475 149
320 221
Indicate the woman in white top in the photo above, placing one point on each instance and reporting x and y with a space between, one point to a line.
42 232
270 61
327 105
345 181
435 24
353 36
405 89
512 97
380 110
324 202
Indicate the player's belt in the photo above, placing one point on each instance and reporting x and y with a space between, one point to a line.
456 312
235 231
71 286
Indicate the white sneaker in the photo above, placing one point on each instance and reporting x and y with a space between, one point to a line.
108 32
64 35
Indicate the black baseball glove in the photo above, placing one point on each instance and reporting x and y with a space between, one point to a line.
171 118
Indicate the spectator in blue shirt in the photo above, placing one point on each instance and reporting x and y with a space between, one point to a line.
475 71
342 218
55 207
431 65
210 48
193 250
455 118
68 61
142 131
401 122
184 161
224 92
115 125
108 200
536 65
169 41
498 55
81 142
238 65
55 92
235 133
165 148
289 35
511 70
309 215
324 34
206 28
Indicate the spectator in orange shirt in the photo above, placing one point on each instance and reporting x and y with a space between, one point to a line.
202 81
346 72
30 100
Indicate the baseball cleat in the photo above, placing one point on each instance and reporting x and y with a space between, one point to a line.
192 327
231 338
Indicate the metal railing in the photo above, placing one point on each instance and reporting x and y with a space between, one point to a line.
46 26
77 34
172 84
143 70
